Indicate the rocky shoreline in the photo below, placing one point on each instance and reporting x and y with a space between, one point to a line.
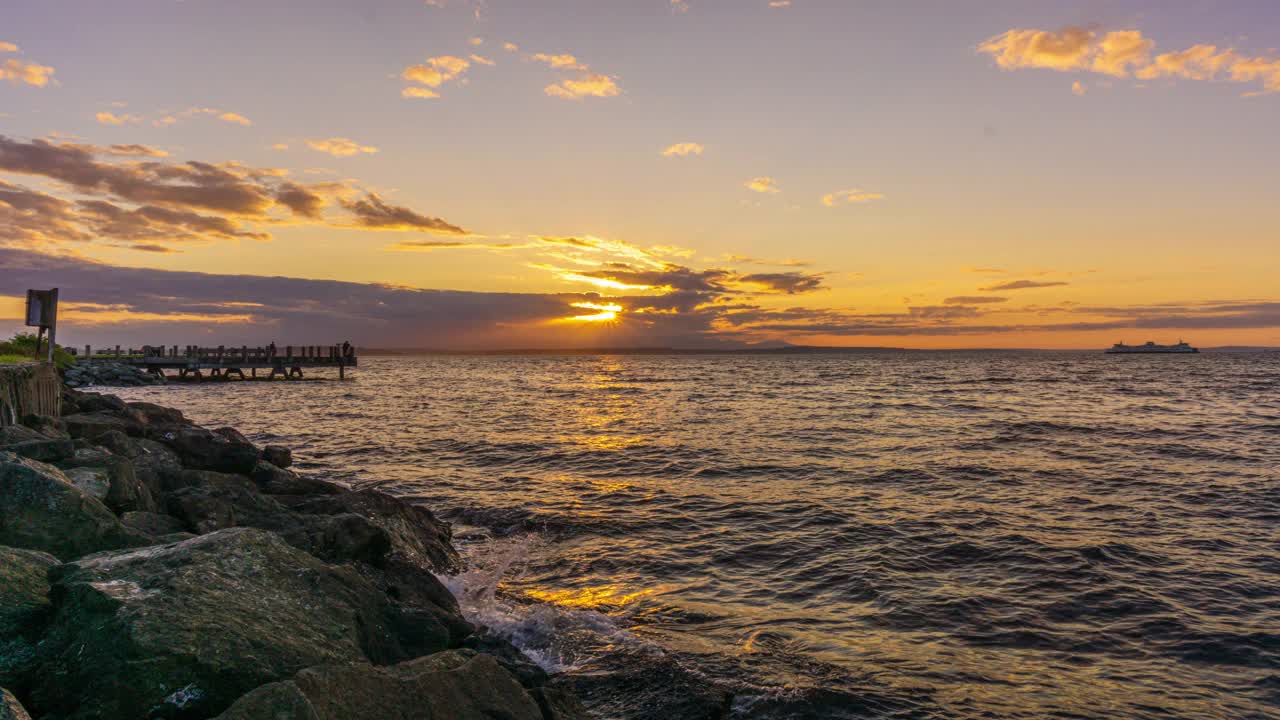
152 568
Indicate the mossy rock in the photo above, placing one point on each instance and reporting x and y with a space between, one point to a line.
184 630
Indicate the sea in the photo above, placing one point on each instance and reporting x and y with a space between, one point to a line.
886 534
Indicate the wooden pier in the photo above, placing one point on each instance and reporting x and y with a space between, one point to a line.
223 363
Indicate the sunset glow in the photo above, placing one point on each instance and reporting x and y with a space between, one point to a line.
1017 177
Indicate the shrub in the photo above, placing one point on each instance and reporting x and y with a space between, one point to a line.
22 348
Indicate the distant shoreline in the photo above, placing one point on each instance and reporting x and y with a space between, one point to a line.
791 350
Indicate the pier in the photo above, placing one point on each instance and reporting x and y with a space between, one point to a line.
224 363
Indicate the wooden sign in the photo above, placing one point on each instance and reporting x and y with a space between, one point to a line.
42 308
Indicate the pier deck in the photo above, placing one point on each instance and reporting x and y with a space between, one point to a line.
192 361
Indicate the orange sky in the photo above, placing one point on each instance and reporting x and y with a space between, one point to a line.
510 174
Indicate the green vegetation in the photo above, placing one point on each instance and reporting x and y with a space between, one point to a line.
22 348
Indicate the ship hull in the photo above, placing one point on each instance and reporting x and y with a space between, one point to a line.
1141 351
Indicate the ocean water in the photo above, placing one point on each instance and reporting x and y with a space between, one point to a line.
869 535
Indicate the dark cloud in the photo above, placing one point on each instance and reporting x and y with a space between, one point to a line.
1022 285
974 300
302 200
790 283
372 212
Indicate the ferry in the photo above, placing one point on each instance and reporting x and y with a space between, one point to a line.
1150 347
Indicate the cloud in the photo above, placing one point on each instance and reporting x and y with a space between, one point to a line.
226 116
482 60
1023 285
779 3
476 41
419 92
371 212
854 196
974 300
593 85
510 47
562 61
1078 88
763 185
20 72
109 118
1125 53
340 147
116 197
683 149
434 73
785 262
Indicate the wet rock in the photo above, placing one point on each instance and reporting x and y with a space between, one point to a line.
232 434
13 434
24 604
188 628
205 450
155 524
41 509
44 450
509 656
557 703
415 533
457 685
274 480
278 455
90 402
10 708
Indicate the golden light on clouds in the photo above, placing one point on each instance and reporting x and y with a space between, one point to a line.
223 115
846 197
601 282
20 72
604 312
589 86
1125 53
110 118
435 72
763 184
340 147
683 149
562 61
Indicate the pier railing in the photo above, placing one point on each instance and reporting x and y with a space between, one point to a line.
222 360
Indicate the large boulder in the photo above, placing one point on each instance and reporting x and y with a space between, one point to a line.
157 466
416 534
10 708
24 604
206 450
158 415
41 509
155 524
30 443
186 629
454 685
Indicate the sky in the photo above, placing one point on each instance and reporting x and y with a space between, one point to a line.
480 174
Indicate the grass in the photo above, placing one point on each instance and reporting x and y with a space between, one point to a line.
22 348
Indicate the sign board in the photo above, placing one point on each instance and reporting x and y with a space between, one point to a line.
42 308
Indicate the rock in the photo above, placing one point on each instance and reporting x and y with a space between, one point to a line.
510 658
274 480
91 425
232 434
48 426
415 533
41 509
125 491
192 626
119 444
14 434
278 455
98 402
24 605
157 466
202 449
454 685
93 481
210 501
155 524
10 708
46 450
158 415
557 703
